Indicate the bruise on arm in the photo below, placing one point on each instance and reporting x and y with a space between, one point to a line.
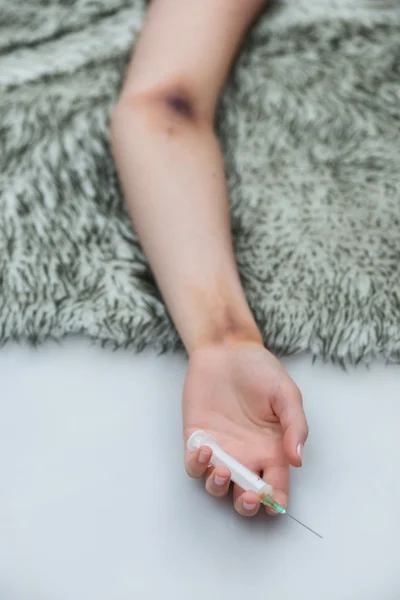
185 52
181 105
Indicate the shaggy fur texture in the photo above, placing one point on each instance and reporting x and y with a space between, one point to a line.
309 124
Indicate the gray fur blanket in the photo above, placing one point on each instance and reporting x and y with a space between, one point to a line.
309 124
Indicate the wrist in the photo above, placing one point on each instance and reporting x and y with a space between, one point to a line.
226 324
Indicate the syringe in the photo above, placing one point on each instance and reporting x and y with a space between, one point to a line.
241 475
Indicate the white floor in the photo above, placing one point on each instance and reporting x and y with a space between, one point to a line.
92 509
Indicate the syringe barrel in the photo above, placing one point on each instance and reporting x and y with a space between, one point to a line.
240 474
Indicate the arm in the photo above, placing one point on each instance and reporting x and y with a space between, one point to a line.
171 166
172 174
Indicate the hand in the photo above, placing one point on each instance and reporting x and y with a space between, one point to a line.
242 395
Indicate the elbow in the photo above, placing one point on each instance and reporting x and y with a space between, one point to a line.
170 108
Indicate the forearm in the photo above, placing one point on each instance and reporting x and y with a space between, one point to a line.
173 178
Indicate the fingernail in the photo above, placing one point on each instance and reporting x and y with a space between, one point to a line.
300 449
204 456
248 506
220 480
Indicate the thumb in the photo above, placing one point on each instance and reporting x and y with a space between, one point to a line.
288 408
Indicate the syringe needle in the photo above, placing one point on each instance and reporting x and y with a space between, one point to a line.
240 474
300 523
271 503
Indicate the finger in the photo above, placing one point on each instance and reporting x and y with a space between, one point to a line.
218 481
278 478
197 462
247 504
288 407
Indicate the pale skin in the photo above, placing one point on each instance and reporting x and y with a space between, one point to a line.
172 173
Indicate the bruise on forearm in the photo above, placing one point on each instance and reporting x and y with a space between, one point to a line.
223 316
